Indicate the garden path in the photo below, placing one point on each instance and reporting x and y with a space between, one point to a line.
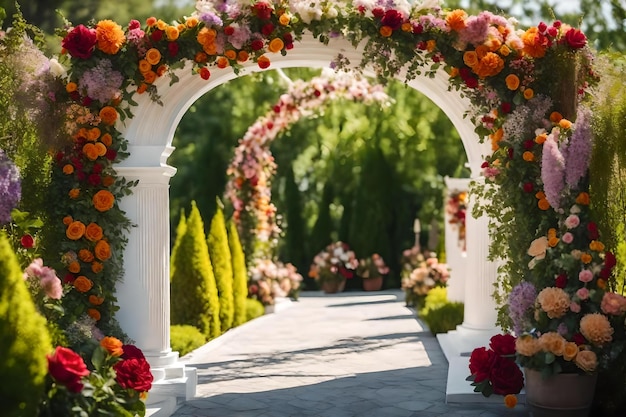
341 355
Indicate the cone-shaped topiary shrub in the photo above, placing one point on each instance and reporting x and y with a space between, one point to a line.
240 274
222 266
24 343
180 232
194 292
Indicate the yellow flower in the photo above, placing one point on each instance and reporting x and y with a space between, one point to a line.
570 351
586 360
172 33
284 19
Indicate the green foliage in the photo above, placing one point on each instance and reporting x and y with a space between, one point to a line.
185 338
294 249
254 309
193 288
439 314
219 252
321 235
24 343
240 275
608 162
180 232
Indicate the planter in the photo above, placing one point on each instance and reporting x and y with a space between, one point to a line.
373 284
560 395
332 287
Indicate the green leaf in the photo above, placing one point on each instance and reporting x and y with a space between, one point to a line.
97 358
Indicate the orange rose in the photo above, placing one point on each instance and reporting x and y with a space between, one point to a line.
512 82
529 93
565 124
162 69
74 193
75 230
149 77
385 31
94 314
108 115
555 117
112 345
505 50
172 33
263 62
67 220
533 46
153 56
106 139
230 54
93 134
454 71
161 25
276 45
85 255
71 87
103 200
83 284
430 45
192 22
145 66
151 21
93 232
242 56
206 36
470 58
90 151
284 19
97 267
222 62
68 169
110 36
541 138
102 250
95 300
142 88
74 267
583 199
570 351
489 65
101 150
586 360
201 57
108 180
456 20
585 258
528 156
553 241
407 27
543 204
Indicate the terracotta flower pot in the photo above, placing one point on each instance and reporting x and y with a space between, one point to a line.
560 395
331 287
372 284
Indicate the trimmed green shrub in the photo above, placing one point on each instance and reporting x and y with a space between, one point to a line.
439 314
180 232
24 343
294 248
254 309
219 252
185 338
194 291
240 275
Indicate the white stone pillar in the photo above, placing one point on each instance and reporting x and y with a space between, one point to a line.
456 256
144 293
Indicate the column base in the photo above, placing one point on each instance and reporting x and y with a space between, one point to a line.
177 384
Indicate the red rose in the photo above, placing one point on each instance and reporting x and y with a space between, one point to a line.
172 49
134 373
229 30
528 187
94 179
503 344
393 19
67 368
27 241
256 44
111 154
267 29
480 363
506 377
506 107
575 38
592 229
378 12
96 169
80 42
262 10
132 352
609 260
157 35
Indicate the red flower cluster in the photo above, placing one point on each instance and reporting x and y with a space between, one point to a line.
67 368
494 370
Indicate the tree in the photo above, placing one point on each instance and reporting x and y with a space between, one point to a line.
240 275
24 343
219 252
194 298
294 248
180 232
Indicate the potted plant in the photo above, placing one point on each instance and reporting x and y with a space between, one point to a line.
333 266
428 274
372 271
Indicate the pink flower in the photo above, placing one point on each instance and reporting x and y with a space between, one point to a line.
613 303
583 293
572 221
585 275
574 307
575 38
567 238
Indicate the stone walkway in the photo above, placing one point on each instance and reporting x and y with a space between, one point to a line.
340 355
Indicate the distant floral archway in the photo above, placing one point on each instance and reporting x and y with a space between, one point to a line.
252 167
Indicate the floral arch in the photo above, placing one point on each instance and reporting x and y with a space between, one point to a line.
486 74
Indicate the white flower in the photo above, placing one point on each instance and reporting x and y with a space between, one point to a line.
56 69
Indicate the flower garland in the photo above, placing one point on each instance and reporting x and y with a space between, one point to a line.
252 167
509 74
456 208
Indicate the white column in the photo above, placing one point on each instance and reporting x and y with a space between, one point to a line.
144 294
456 256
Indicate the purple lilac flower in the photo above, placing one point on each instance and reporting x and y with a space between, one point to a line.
10 187
552 171
577 151
211 19
102 82
521 299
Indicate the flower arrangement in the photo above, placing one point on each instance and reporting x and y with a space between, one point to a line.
372 267
252 167
270 279
494 370
426 276
411 258
456 208
336 263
